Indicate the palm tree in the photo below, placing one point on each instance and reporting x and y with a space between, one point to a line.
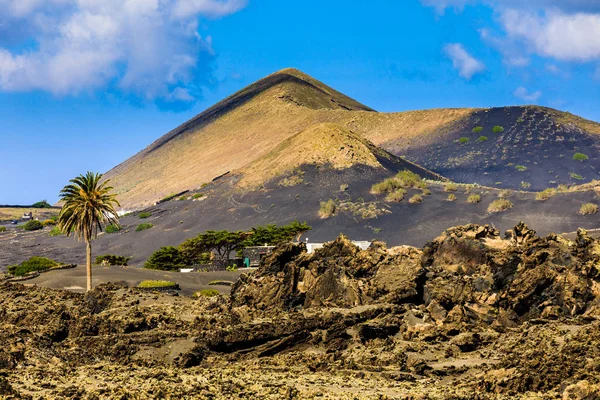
87 205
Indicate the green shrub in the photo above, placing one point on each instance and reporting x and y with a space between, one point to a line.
499 205
396 196
575 176
451 197
474 198
48 222
111 259
562 188
545 194
498 129
478 129
31 265
112 228
168 258
157 284
525 185
41 204
169 197
463 140
55 231
198 196
2 229
231 268
33 225
327 209
521 168
206 293
520 120
580 157
404 179
450 187
482 139
220 283
588 209
505 193
417 198
426 192
143 227
144 215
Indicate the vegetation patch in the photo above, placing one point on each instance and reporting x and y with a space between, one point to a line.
575 176
525 185
34 264
482 139
580 157
55 231
403 180
417 198
111 259
157 284
498 129
500 205
327 209
2 229
478 129
144 215
206 293
396 196
168 258
588 209
198 196
451 197
545 194
292 180
464 140
505 193
41 204
33 225
362 209
49 222
220 283
144 226
521 168
474 198
450 187
112 228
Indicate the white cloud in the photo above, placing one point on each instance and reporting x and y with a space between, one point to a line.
467 65
568 37
148 48
523 94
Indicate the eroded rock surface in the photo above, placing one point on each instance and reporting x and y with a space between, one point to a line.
473 315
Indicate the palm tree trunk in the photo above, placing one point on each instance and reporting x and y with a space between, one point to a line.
88 264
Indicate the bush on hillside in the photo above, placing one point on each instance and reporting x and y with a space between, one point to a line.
588 209
2 229
55 231
545 194
521 168
525 185
580 157
499 205
451 197
478 129
206 293
396 196
575 176
143 227
327 209
32 265
417 198
463 140
112 228
450 187
168 258
33 225
41 204
498 129
111 259
144 215
482 139
198 196
48 222
404 179
474 198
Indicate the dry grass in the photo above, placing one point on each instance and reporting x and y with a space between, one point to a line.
9 213
451 187
588 209
474 198
396 196
327 209
417 198
403 180
545 194
451 197
500 205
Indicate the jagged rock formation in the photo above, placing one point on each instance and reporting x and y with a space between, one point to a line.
474 314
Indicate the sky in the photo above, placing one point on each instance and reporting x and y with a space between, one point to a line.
85 84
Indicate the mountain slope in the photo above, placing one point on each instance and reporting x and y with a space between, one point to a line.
532 147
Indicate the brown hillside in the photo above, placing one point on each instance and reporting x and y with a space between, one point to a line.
254 122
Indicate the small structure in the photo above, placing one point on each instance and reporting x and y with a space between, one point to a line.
253 255
27 217
361 244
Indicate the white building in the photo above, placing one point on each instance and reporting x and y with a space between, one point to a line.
363 245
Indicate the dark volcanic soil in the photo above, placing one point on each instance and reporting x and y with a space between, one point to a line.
225 208
532 138
472 315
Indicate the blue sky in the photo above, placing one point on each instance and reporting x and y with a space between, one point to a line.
85 84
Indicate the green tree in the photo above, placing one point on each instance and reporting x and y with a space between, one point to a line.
221 243
87 205
168 258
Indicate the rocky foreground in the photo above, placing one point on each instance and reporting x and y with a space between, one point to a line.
470 316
